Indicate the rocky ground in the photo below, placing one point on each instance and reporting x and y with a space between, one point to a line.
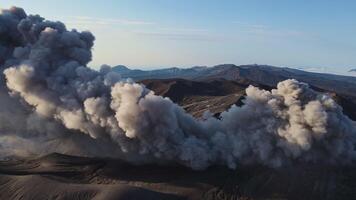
218 95
59 176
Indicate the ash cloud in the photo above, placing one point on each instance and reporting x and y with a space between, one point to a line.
52 102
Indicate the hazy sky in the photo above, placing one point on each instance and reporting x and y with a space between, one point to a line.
320 34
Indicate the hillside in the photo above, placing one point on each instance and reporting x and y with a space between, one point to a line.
250 74
216 96
196 97
58 176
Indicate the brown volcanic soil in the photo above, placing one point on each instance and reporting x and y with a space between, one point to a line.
218 95
59 176
197 97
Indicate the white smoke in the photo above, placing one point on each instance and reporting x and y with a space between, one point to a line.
67 107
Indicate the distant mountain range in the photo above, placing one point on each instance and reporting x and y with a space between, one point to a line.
247 74
198 89
352 70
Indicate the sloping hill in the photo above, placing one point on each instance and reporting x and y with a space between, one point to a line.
217 95
199 89
196 97
247 74
59 176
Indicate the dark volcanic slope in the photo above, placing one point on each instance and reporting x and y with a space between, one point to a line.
207 88
218 95
198 97
258 74
66 177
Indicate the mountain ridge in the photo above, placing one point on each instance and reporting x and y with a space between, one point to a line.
249 74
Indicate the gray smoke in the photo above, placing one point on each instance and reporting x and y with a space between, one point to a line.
57 104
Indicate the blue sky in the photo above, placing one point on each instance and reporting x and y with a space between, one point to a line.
317 35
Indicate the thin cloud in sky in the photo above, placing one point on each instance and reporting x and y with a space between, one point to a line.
185 30
248 25
277 32
180 34
265 30
85 20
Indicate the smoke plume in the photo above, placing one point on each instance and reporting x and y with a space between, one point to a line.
52 102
